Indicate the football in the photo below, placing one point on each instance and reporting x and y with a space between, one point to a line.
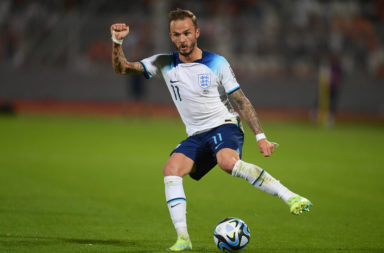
231 234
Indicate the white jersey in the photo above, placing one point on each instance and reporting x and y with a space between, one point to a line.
199 89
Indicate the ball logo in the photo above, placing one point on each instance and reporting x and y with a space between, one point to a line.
204 80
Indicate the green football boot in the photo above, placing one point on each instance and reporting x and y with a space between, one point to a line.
182 243
299 204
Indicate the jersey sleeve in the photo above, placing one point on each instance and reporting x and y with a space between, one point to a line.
154 64
228 79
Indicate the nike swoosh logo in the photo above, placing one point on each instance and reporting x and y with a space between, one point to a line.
218 145
175 205
174 81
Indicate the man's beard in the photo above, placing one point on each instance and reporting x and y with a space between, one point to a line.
191 47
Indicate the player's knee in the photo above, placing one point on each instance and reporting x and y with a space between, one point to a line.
227 164
226 159
178 165
171 169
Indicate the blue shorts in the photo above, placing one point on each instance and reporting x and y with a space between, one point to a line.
202 148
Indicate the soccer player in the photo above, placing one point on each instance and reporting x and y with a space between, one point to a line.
200 83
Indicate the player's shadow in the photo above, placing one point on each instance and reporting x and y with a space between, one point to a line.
20 240
15 241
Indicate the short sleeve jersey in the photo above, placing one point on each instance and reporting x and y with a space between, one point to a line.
199 89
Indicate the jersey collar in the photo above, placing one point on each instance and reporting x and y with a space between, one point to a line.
177 60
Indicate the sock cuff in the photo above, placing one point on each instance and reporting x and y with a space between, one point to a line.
235 168
175 179
174 190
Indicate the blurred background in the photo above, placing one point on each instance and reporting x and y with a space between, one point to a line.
308 59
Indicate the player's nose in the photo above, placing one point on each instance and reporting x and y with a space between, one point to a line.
182 38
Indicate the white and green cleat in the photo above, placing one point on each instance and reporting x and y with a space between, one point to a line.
299 204
182 243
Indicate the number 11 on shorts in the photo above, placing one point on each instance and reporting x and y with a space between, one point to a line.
218 135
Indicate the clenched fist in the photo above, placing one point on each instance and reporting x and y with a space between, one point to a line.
120 30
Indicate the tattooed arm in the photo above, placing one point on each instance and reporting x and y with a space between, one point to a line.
248 113
119 62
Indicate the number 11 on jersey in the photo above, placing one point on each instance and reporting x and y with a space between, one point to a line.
176 92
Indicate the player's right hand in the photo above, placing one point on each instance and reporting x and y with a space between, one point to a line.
266 147
120 30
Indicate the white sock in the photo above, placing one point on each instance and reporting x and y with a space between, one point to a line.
177 204
261 180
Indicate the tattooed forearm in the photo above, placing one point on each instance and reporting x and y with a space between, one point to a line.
120 63
247 111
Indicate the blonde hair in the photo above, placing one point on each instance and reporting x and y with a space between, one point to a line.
180 14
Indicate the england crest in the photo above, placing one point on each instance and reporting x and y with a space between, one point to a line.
204 80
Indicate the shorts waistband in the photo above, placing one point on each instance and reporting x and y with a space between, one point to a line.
235 121
231 121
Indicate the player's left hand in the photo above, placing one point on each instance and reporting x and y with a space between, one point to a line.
266 147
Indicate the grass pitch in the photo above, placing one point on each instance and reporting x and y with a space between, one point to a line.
96 185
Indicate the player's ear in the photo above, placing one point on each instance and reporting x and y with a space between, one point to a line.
197 33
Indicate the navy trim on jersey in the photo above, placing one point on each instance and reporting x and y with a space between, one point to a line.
233 90
206 58
175 59
146 72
